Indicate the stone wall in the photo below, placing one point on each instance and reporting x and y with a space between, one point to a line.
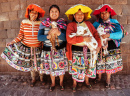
12 12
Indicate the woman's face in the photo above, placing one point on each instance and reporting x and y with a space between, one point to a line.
54 13
105 15
33 15
79 16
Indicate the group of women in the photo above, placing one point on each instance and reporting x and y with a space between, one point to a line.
32 50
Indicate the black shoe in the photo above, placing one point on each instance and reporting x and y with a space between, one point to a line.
52 88
62 88
89 86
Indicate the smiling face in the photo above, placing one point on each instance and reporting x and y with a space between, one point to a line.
105 15
33 15
79 16
54 14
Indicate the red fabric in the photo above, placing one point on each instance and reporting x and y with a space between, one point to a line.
71 28
35 8
109 9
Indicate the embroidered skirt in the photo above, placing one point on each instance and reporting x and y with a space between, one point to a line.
110 63
78 68
19 57
54 63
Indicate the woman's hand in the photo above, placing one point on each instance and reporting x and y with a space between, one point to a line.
48 36
87 38
105 36
7 44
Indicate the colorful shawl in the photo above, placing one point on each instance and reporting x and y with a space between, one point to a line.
46 23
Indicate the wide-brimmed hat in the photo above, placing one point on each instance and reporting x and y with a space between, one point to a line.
35 7
72 10
102 8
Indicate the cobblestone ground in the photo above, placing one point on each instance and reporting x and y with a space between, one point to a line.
20 86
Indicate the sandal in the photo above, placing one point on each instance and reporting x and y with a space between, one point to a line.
74 89
89 86
52 88
97 81
43 83
62 88
32 84
108 85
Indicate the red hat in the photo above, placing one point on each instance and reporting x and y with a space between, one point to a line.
35 8
104 7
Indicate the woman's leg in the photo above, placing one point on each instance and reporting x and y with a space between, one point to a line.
74 85
61 79
87 80
61 82
41 78
52 80
108 78
33 75
99 76
88 85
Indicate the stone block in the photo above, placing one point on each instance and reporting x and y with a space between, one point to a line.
11 33
87 2
7 25
61 2
93 7
2 42
128 19
23 4
117 9
122 19
1 50
114 17
128 2
110 2
39 2
13 15
127 28
3 1
15 5
126 10
4 17
1 25
50 2
72 2
46 9
121 2
21 13
124 58
5 6
15 24
3 34
10 0
62 9
9 40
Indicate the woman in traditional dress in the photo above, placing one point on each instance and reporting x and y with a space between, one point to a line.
54 62
78 57
23 53
111 62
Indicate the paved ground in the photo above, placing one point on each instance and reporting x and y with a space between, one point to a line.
19 86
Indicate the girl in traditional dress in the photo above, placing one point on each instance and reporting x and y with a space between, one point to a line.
23 53
54 62
78 57
111 62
